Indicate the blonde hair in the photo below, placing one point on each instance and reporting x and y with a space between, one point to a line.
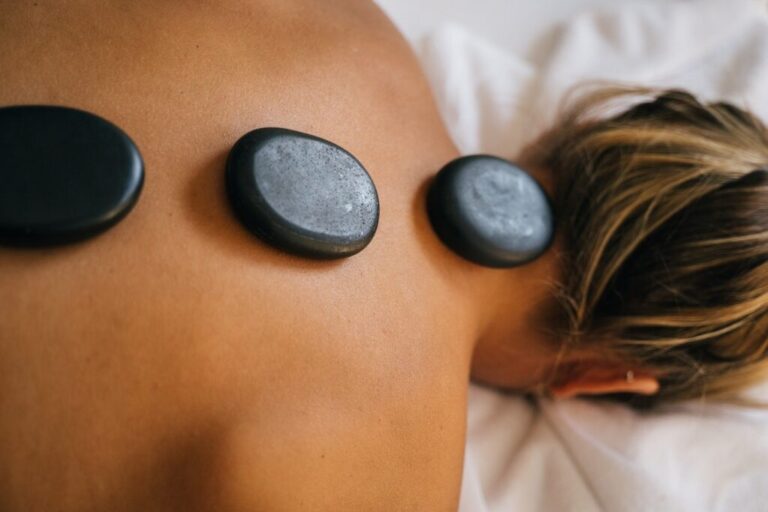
663 213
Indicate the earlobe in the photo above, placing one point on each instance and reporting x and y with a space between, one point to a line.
599 381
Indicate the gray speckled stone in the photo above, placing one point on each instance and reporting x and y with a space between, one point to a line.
490 211
302 194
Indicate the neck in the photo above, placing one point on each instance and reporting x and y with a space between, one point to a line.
514 350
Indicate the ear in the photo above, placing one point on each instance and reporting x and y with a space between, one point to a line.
602 378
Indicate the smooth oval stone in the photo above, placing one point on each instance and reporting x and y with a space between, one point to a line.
490 211
302 194
65 175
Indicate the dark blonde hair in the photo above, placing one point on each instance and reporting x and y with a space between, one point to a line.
663 213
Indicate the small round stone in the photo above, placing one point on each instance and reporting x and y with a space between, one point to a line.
490 211
65 175
302 194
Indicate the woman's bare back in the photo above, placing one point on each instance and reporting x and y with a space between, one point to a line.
178 363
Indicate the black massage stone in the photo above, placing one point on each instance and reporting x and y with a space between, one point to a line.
302 194
65 175
490 211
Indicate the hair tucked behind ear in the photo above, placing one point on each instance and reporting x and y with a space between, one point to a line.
663 213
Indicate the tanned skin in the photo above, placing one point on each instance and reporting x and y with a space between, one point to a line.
176 362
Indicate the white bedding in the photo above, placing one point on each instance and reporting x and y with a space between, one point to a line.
498 70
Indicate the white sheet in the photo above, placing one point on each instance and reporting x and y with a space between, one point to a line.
496 89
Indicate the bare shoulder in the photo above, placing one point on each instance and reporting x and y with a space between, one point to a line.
177 359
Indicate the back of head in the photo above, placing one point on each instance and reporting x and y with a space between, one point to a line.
663 213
